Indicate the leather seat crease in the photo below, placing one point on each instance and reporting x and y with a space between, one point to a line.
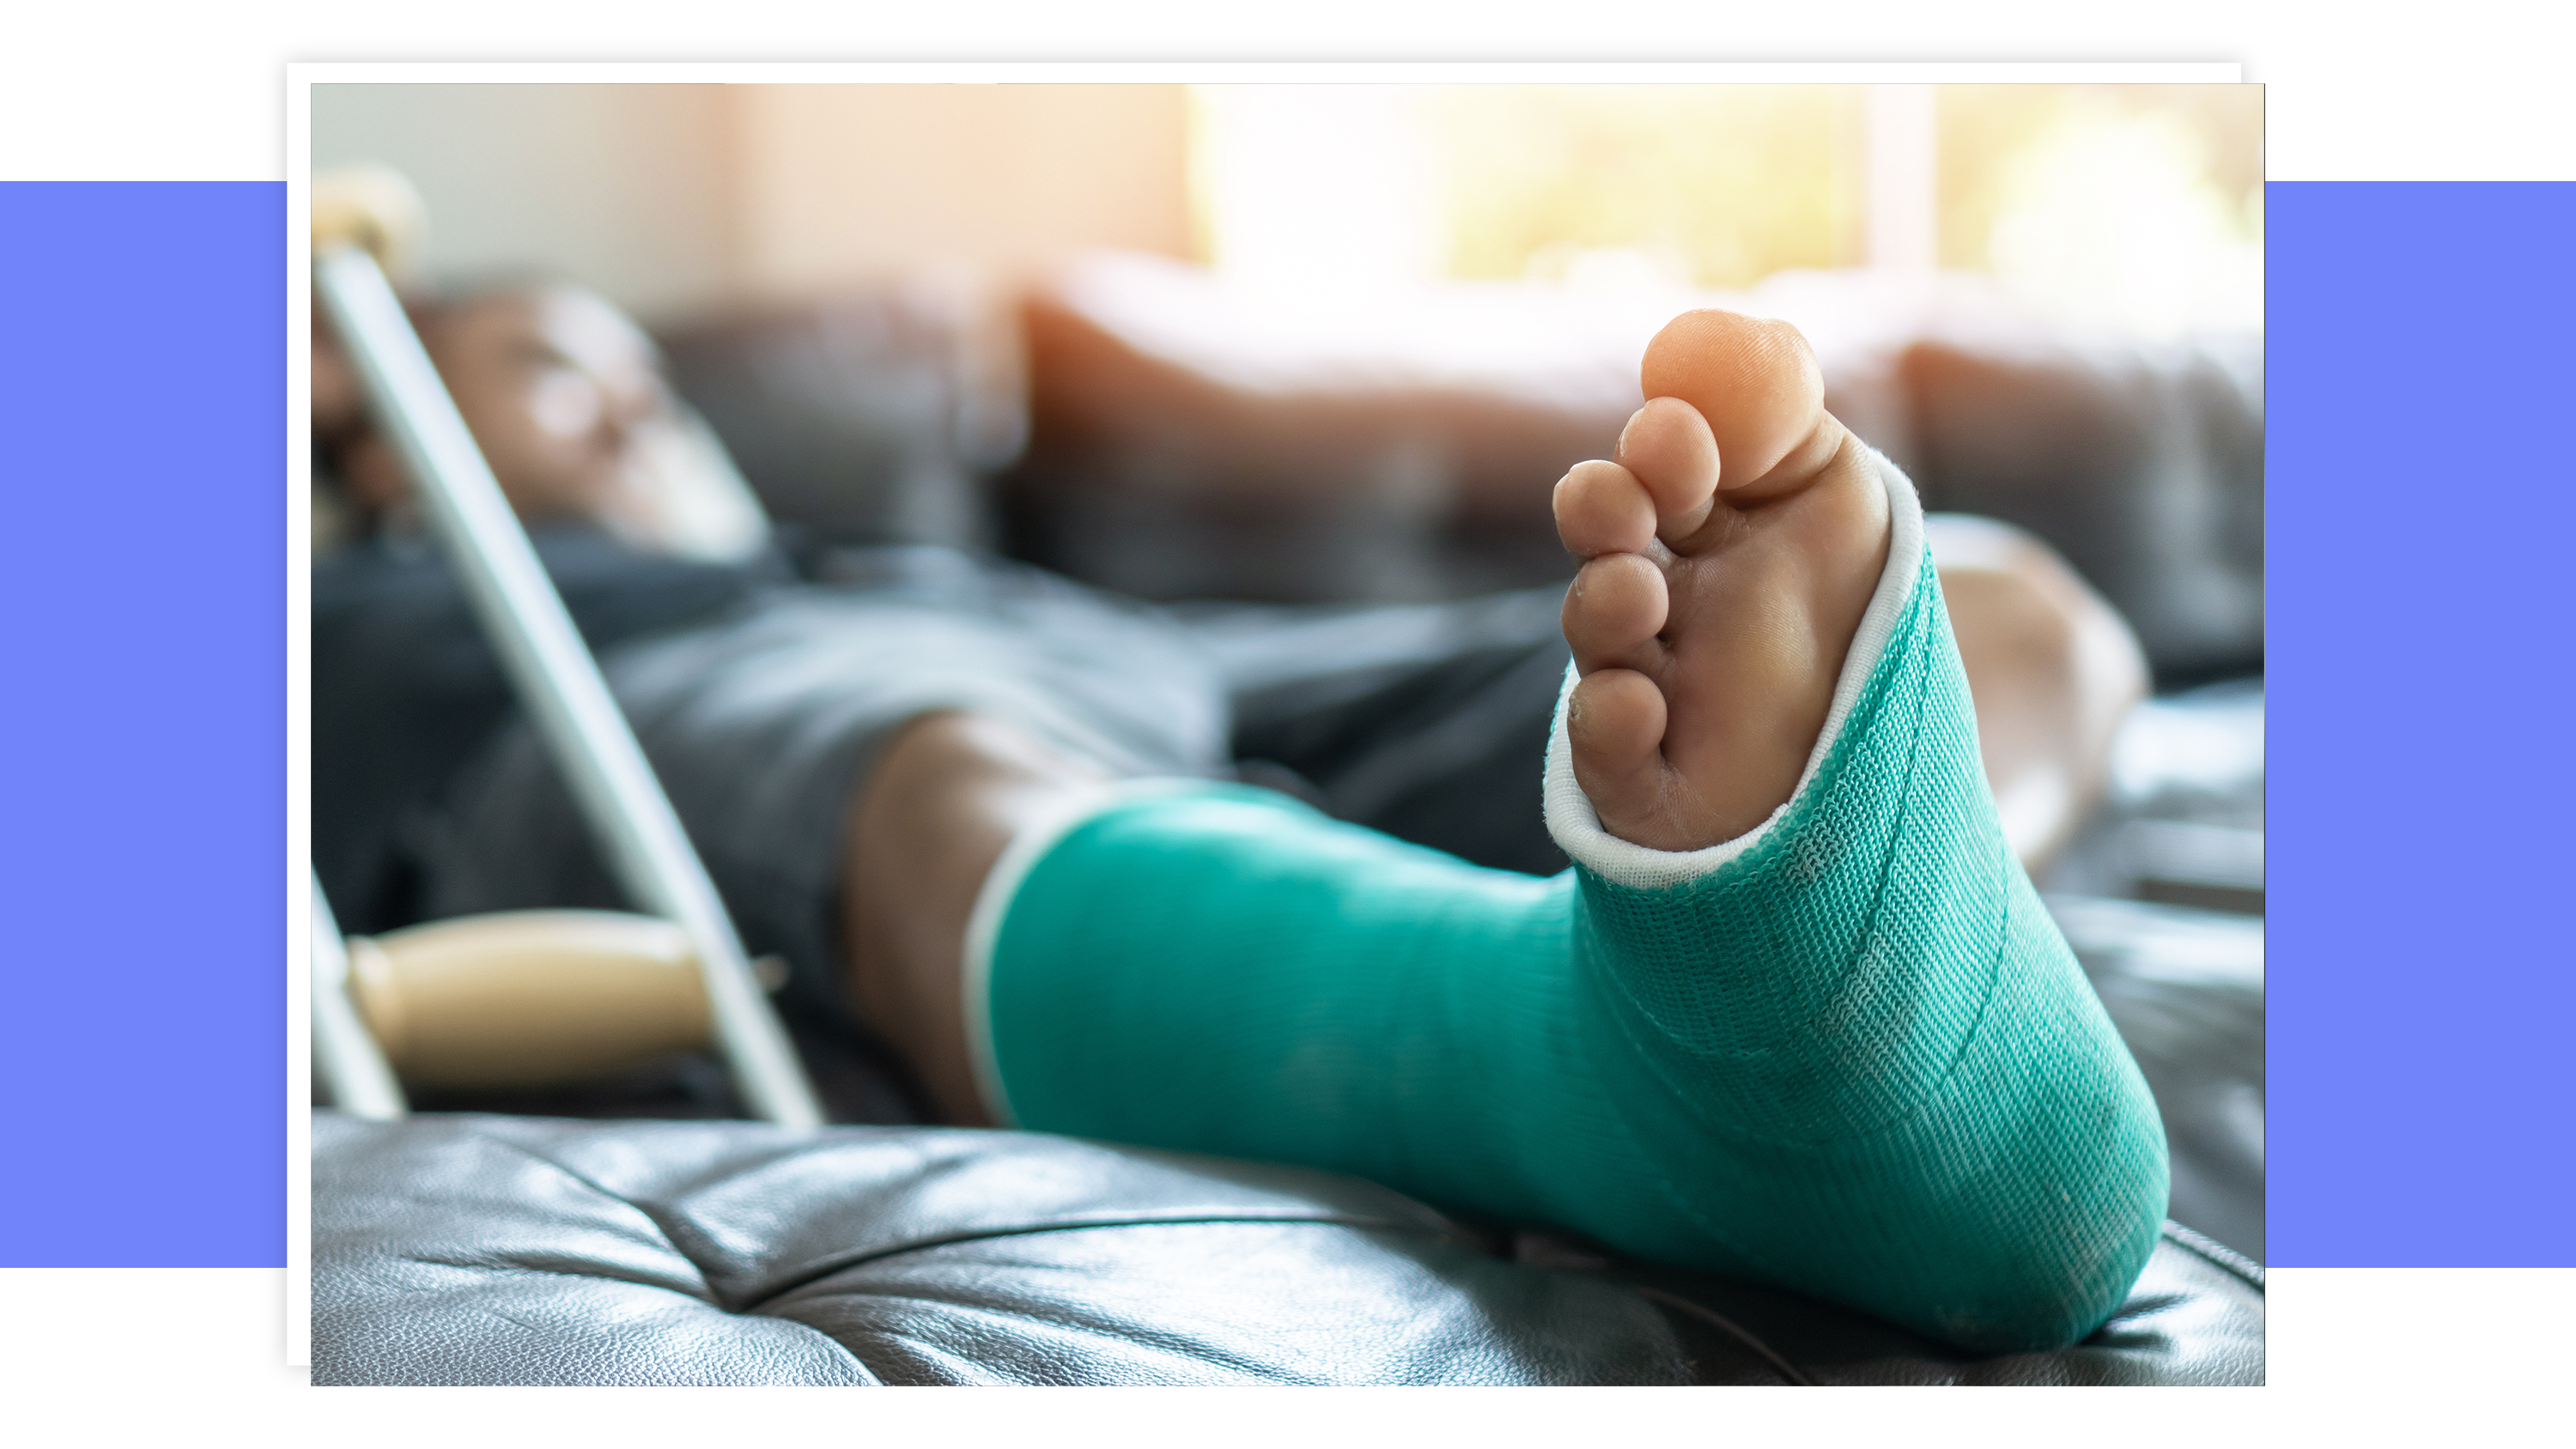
490 1250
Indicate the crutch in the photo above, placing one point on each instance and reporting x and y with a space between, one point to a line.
549 666
353 1067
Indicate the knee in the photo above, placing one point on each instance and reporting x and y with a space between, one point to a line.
2053 668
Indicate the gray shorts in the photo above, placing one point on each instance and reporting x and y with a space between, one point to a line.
1428 721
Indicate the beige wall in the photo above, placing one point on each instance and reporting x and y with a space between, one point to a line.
673 199
621 186
843 181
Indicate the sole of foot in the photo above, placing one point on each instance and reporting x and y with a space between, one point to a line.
1730 548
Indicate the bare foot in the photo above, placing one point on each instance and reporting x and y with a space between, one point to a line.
1732 547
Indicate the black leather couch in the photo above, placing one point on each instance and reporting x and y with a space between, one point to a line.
1148 427
511 1250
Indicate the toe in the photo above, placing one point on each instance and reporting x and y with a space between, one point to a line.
1614 727
1756 383
1602 508
1615 608
1668 448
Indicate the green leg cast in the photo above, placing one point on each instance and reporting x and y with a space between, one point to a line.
1848 1053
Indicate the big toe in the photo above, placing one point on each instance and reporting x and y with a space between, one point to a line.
1757 383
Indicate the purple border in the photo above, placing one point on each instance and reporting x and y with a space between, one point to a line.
2423 367
142 803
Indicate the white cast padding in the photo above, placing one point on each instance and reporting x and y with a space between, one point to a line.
993 904
1577 826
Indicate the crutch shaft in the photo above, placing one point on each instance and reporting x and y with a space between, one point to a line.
354 1070
556 677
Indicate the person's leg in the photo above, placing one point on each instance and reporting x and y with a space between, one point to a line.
1796 1014
947 796
2053 668
1424 721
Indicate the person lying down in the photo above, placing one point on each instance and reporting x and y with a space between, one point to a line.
1795 1012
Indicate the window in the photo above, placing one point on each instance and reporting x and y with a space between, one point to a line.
2136 206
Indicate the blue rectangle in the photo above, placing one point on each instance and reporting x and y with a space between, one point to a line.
2420 503
2420 508
143 798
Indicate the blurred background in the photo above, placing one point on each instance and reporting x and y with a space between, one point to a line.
2134 205
1315 344
1304 342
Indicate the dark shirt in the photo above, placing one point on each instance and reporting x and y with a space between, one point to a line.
405 687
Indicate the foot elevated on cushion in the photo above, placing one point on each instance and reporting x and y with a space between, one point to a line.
1849 1054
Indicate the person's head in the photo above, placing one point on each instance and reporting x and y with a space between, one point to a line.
556 385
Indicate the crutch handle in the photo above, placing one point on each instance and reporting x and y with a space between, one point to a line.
529 998
374 208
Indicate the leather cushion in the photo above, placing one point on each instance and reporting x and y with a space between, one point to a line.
492 1250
